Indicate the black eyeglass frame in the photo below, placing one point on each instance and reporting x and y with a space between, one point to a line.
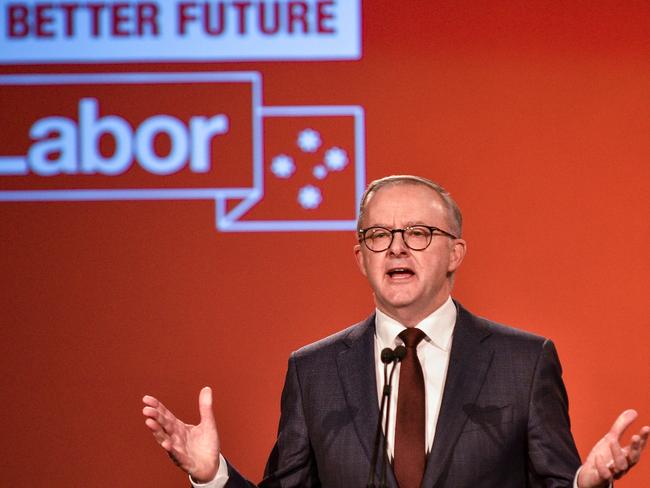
361 233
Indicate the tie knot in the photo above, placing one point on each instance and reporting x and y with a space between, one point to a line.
412 336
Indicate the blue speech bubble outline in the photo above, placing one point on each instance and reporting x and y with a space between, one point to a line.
226 221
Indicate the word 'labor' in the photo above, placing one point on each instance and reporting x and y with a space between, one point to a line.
64 147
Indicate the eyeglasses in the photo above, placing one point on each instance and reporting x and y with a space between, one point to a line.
416 237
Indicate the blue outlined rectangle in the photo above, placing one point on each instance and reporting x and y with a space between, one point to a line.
37 31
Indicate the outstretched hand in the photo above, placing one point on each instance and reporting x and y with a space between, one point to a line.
609 461
193 448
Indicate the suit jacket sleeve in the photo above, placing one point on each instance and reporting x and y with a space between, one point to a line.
553 458
291 463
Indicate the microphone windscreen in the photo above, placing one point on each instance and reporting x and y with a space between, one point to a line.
400 352
387 355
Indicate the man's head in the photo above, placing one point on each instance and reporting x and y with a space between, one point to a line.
410 271
453 211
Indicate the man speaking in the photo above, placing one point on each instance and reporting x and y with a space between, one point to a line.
473 403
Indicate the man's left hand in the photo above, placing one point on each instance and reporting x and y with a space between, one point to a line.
608 461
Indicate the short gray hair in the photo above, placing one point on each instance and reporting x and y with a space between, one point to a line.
454 216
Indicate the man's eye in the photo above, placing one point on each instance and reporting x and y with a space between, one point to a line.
417 232
379 234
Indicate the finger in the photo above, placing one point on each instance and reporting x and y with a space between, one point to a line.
622 422
602 468
149 400
645 434
156 404
618 456
175 448
158 433
168 443
637 444
154 426
633 450
205 406
155 414
150 412
164 417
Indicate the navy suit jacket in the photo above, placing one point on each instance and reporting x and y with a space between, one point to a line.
503 421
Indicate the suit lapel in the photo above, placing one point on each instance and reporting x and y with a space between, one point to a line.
356 367
468 365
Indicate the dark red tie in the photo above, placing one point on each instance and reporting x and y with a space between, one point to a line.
410 448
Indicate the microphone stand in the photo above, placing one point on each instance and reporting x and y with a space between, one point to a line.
398 355
387 356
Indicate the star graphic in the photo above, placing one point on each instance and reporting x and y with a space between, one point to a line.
319 171
309 140
309 197
282 166
336 159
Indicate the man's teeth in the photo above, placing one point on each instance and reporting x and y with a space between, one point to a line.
399 271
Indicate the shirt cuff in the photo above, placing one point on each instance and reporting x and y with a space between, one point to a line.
575 480
220 479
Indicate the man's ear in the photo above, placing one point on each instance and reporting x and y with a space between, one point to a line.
361 260
458 251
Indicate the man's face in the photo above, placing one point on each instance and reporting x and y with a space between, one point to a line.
408 285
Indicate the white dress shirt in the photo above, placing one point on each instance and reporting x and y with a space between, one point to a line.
433 352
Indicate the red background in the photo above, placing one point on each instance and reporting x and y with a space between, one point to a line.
533 114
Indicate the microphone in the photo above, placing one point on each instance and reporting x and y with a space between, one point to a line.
387 357
398 354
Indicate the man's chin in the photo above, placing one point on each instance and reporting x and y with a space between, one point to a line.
396 307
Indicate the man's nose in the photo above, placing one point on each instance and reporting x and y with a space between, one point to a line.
398 246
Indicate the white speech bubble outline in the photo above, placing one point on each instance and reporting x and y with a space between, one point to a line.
227 221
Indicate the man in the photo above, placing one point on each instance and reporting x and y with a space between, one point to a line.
476 404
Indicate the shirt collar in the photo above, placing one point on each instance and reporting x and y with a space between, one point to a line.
438 326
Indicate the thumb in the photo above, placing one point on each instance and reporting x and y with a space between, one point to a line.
205 406
623 422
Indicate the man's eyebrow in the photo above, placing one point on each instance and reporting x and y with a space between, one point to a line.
410 223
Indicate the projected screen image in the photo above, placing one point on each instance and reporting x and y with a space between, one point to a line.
179 192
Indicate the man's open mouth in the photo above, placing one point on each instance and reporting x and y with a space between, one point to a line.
400 272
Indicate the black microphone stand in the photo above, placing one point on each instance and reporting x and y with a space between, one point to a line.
398 355
387 356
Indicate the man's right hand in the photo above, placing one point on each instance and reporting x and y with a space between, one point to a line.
193 448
